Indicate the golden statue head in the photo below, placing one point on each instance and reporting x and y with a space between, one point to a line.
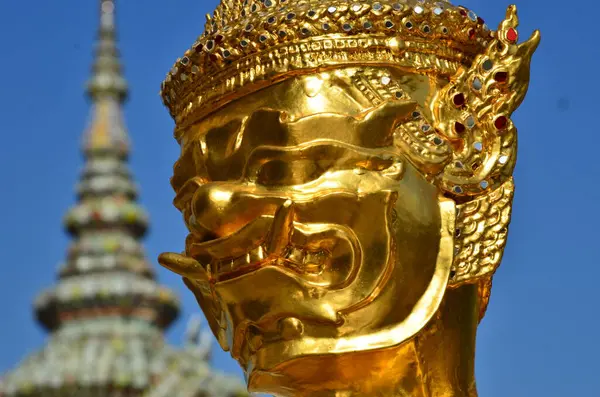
346 178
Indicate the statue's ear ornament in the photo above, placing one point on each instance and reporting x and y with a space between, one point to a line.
472 113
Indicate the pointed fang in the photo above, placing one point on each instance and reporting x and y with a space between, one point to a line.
281 230
183 265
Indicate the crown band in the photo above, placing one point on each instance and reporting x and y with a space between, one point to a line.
304 58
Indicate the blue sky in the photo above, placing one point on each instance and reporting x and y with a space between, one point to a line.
540 337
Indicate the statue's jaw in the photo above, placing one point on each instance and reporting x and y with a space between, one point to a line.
296 329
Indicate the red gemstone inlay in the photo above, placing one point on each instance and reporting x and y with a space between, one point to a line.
480 20
462 11
472 34
219 38
501 77
501 122
199 47
512 35
459 127
459 99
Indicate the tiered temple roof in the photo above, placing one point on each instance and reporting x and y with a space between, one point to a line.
107 314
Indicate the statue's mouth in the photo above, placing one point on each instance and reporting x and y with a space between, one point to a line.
318 254
308 250
297 259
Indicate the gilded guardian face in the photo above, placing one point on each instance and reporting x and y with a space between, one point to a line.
313 231
346 178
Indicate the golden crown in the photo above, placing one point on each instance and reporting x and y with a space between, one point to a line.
248 44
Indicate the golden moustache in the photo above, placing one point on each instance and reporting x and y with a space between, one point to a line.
335 246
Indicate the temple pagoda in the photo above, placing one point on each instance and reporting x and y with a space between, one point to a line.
107 315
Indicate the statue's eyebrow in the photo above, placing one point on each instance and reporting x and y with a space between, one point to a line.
321 151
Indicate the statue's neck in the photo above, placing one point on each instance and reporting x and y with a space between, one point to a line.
446 347
423 368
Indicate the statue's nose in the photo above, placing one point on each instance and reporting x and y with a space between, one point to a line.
222 209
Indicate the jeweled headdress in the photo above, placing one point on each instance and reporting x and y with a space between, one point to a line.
250 43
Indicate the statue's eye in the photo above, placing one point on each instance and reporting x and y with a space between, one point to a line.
286 173
376 163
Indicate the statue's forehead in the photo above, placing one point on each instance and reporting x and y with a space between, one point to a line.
346 91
